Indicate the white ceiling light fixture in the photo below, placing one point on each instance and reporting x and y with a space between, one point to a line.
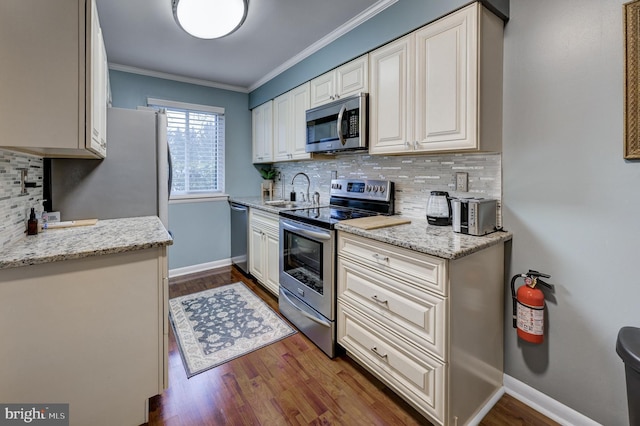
209 19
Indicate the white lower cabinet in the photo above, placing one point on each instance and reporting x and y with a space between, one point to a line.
430 328
417 377
264 249
91 332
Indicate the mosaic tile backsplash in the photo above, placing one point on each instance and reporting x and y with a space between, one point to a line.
414 177
14 204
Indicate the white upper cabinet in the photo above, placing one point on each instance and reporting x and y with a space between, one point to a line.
262 132
289 124
54 79
391 97
348 79
97 88
440 88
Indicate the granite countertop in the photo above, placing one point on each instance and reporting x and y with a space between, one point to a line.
438 241
418 235
105 237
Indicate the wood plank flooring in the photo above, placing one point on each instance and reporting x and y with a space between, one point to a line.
290 382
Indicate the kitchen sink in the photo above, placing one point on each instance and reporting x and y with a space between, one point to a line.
284 204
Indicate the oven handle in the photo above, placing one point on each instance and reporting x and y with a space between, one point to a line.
306 232
305 313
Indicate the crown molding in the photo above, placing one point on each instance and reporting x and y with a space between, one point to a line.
329 38
175 77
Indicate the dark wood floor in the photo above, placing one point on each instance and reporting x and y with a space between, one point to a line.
290 382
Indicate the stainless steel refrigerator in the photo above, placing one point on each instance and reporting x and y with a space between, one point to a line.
133 180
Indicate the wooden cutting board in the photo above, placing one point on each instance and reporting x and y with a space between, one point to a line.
71 223
375 222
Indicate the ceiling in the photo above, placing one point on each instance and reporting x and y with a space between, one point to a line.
142 36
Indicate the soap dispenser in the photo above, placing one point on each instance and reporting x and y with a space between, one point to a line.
32 223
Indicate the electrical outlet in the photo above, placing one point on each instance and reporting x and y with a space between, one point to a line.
462 182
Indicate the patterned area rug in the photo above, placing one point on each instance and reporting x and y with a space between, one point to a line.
217 325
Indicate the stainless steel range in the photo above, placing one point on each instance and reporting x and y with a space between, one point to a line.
308 255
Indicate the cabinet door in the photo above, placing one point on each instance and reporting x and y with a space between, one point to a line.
97 87
446 83
300 103
256 257
281 127
391 99
322 89
272 248
352 77
262 132
42 80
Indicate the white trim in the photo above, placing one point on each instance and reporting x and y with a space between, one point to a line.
175 77
180 199
545 404
177 272
475 420
326 40
185 105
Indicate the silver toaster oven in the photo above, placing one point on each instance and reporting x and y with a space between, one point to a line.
474 216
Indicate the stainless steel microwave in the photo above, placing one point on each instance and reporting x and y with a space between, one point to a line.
338 126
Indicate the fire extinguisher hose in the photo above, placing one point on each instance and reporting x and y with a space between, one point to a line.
514 299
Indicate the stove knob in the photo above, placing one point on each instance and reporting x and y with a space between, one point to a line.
382 188
368 188
375 188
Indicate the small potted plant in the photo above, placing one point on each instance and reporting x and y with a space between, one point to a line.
268 174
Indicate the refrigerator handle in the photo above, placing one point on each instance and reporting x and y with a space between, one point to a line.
170 171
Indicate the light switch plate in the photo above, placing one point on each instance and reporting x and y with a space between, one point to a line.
462 181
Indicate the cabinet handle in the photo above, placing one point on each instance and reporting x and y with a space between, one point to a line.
380 258
415 145
375 297
378 354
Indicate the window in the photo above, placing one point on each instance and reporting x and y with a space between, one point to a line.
195 134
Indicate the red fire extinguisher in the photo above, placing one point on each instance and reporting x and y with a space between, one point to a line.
528 306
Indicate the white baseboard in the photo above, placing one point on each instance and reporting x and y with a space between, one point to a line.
198 268
475 420
545 404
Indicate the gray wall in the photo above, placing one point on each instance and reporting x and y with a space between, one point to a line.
200 229
570 198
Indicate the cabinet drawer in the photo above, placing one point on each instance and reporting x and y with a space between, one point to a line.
418 378
268 222
416 316
418 269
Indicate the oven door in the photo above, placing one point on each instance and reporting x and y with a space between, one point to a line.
307 265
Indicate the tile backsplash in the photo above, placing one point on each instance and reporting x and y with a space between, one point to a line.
414 176
15 205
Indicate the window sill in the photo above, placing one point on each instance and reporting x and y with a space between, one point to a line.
197 198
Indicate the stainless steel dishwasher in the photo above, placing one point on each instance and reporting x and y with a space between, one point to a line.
239 236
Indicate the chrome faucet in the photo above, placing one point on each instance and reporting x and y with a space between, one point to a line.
308 183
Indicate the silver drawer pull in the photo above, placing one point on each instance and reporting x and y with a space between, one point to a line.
380 258
375 351
375 297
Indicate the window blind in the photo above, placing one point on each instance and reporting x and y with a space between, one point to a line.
196 136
